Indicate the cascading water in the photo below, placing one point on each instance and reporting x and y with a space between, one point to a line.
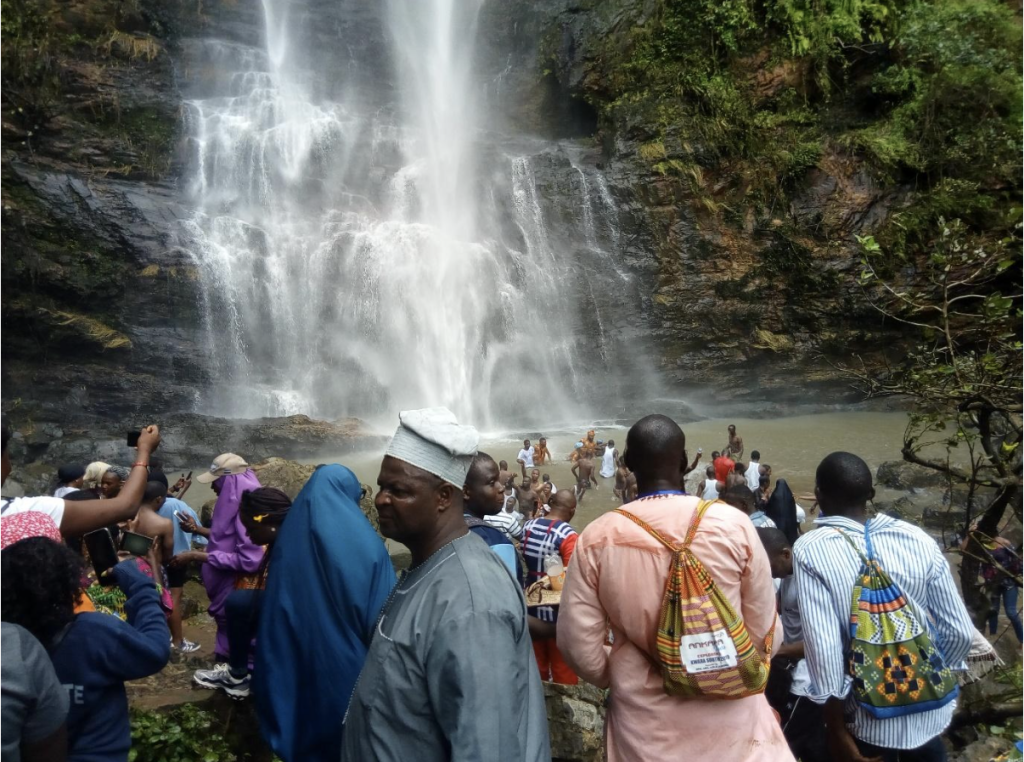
363 249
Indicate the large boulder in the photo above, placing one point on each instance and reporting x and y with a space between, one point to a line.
575 722
898 474
290 477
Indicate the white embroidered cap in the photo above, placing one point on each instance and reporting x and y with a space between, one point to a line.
433 440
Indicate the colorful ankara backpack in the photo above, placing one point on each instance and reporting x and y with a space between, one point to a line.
703 646
896 669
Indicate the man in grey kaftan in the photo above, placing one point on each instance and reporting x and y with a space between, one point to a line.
450 673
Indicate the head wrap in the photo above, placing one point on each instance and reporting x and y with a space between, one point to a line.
94 473
269 504
21 526
781 509
67 474
121 472
433 440
332 575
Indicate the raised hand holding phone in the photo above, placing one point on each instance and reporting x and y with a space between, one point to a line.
186 521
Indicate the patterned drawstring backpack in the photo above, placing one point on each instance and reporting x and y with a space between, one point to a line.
896 669
703 646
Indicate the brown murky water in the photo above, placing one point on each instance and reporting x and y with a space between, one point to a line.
792 446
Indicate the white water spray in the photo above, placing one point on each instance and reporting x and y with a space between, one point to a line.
366 253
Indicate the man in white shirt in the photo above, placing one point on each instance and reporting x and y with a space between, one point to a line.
76 518
525 457
826 569
753 473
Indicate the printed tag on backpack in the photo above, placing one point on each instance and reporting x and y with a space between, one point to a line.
708 652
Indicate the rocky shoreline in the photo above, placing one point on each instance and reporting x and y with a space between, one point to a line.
188 440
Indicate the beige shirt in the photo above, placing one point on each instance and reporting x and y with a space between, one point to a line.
616 579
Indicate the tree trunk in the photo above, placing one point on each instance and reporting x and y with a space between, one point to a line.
975 595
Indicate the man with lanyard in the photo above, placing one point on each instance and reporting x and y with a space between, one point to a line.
617 582
543 537
432 687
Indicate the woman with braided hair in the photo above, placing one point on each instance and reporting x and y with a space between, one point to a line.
261 511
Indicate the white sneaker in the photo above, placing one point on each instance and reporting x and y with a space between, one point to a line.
220 677
188 647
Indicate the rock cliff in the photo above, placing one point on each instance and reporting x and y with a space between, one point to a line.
746 150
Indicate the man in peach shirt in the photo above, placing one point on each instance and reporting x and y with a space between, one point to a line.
616 580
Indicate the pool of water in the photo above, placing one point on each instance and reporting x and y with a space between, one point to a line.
793 446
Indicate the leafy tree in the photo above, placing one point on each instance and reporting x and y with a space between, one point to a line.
961 303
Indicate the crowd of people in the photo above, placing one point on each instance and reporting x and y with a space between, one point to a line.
671 601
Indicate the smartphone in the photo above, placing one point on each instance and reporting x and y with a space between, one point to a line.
136 544
133 438
102 551
189 477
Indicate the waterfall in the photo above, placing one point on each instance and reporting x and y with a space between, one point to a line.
364 248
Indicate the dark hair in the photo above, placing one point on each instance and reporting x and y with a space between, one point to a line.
715 454
41 581
269 502
764 480
774 540
755 455
739 493
655 446
159 476
844 477
154 489
739 468
479 460
70 472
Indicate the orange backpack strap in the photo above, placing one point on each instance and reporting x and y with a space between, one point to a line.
702 508
649 529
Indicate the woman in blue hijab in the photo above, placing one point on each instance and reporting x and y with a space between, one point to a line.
330 575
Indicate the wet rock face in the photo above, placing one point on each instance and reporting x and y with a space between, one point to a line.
898 474
101 306
98 304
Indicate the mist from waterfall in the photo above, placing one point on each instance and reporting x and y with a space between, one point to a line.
363 249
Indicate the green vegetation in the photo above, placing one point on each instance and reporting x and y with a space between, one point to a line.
962 305
925 92
58 64
184 734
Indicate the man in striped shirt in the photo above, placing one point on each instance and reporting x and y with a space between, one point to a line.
826 569
542 537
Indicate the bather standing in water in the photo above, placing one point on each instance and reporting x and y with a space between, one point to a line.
584 471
